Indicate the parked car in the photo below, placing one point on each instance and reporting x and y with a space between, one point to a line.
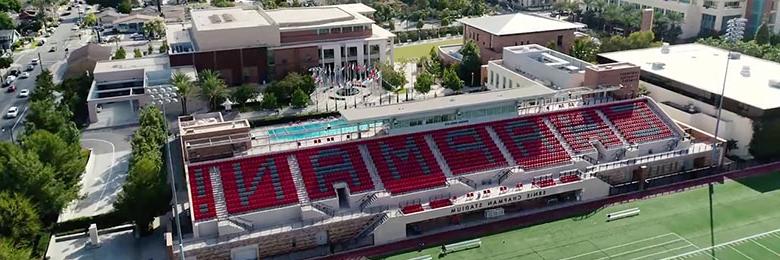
24 75
10 79
24 93
34 61
53 48
30 67
12 112
12 88
14 72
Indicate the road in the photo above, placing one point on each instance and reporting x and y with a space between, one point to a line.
63 37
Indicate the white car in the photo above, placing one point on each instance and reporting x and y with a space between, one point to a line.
24 75
24 93
34 61
10 79
12 112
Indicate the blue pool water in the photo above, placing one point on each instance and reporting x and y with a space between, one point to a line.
312 130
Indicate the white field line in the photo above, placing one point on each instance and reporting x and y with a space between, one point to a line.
764 247
662 252
725 244
617 246
695 246
735 249
640 249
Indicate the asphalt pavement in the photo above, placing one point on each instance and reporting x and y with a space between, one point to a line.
63 37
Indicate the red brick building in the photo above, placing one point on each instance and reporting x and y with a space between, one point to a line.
256 46
493 33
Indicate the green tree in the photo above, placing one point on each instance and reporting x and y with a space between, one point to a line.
90 20
9 251
470 66
149 50
18 218
762 34
299 99
6 23
6 62
74 95
120 54
243 94
22 172
585 49
164 47
222 3
44 86
154 29
46 115
10 6
394 78
269 101
137 53
125 6
64 158
212 87
423 83
434 66
184 87
145 193
451 80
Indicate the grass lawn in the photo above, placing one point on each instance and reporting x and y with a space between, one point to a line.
746 211
418 50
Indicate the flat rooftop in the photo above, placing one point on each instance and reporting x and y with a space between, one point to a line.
702 67
157 62
357 8
229 18
517 23
445 103
316 17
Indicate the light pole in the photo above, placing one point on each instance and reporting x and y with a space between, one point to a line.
163 95
735 30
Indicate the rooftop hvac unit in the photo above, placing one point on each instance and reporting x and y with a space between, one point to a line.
734 55
745 71
775 83
665 48
658 65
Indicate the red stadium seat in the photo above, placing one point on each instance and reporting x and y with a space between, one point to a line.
637 122
578 127
323 166
468 149
531 142
405 163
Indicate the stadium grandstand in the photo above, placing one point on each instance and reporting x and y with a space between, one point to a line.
377 175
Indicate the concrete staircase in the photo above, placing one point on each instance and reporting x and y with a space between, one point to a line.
501 147
300 187
560 138
612 127
372 171
439 159
371 227
219 196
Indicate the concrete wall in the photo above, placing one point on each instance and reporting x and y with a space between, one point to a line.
616 74
500 73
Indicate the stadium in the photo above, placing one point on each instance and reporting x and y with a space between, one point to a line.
379 175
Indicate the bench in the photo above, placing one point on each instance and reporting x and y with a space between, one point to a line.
460 246
622 214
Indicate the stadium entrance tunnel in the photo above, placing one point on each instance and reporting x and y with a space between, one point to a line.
479 216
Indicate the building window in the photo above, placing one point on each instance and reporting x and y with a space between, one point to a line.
510 83
346 29
323 31
335 30
559 42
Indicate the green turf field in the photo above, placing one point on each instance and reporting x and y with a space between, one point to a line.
677 226
418 50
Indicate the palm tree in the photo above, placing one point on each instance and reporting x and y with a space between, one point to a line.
212 87
184 87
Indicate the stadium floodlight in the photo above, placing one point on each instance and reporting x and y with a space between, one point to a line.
162 95
735 31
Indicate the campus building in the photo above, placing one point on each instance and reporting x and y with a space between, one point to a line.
493 33
709 16
687 80
762 11
267 44
383 174
122 84
536 64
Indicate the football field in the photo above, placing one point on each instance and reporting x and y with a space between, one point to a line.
745 224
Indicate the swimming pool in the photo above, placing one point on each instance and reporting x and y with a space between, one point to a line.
314 130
